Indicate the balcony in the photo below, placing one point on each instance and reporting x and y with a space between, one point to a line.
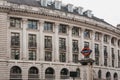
15 77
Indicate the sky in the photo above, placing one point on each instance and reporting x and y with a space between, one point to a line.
109 10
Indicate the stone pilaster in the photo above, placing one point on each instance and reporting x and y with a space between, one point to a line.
24 39
70 44
41 54
56 45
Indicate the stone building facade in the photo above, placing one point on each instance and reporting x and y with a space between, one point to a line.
43 41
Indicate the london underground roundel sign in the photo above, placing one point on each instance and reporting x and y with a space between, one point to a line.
86 51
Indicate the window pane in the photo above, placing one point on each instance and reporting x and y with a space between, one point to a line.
62 28
32 54
15 54
15 40
48 56
62 44
62 57
32 41
75 31
15 22
48 26
32 24
48 42
75 45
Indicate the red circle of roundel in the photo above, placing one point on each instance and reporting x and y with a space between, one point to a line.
86 51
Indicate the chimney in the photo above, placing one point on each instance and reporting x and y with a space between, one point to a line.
79 10
58 4
88 13
70 8
44 3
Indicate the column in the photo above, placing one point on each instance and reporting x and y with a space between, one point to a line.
92 45
41 54
101 49
70 58
24 40
81 42
56 43
109 61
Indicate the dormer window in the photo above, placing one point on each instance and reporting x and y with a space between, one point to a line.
44 3
70 7
58 4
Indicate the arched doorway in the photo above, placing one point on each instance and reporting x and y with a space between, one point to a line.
49 74
99 74
78 72
15 73
33 74
115 76
64 74
108 76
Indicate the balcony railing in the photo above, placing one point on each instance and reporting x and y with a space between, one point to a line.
15 77
32 45
64 77
49 77
33 77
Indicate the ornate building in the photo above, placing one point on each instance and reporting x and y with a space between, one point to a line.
42 40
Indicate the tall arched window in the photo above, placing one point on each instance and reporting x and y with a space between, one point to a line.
108 76
33 74
49 74
15 73
115 76
64 73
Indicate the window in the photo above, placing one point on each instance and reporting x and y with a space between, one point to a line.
15 22
48 26
48 42
96 49
97 54
32 41
118 43
15 54
105 55
119 58
49 74
75 58
48 56
32 54
33 74
62 28
62 44
75 45
97 36
62 57
15 73
113 41
113 56
105 38
99 74
15 40
86 44
32 24
87 34
75 31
